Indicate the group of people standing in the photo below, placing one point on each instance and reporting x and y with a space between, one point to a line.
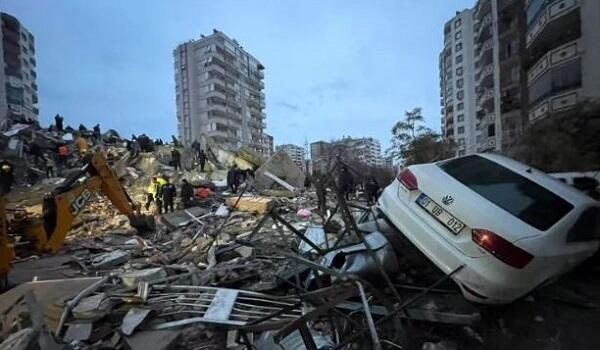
162 193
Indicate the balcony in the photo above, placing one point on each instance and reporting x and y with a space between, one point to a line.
221 111
554 58
560 21
486 100
486 76
556 104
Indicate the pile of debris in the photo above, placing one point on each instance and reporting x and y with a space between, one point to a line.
276 266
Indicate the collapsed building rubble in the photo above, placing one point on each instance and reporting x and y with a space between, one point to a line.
266 268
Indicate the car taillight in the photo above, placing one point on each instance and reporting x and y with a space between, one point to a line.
501 248
408 179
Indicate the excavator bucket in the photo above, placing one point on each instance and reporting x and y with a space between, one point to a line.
143 223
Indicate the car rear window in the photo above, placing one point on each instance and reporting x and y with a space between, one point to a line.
512 192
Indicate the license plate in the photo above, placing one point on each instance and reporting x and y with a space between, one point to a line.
452 223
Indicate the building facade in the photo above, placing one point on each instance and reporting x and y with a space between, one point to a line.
492 75
267 145
18 88
365 150
457 83
296 153
219 93
563 50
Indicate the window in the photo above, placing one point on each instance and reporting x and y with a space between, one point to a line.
519 196
460 106
459 83
460 130
458 47
460 118
460 95
459 71
458 35
457 23
459 59
491 130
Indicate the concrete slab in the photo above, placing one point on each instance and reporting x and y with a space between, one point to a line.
156 340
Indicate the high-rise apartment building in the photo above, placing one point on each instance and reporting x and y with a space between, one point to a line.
219 92
563 50
457 83
18 88
491 36
365 150
296 153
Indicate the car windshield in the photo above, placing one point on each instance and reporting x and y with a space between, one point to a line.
512 192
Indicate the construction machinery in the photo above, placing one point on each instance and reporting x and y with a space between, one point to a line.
46 234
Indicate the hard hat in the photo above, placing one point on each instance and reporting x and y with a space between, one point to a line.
5 167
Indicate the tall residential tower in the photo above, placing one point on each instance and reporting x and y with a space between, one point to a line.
219 93
18 88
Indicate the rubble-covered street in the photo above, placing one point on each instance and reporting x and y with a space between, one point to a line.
257 269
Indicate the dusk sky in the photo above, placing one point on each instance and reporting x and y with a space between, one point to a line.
333 68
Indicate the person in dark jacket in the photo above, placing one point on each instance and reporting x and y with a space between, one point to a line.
58 120
202 160
233 178
187 194
168 192
97 134
176 159
7 177
346 182
372 190
82 128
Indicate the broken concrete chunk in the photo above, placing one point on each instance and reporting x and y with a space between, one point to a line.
112 259
93 307
134 318
79 331
155 340
133 278
252 204
222 211
182 218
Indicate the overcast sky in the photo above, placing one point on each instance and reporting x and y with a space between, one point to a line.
333 68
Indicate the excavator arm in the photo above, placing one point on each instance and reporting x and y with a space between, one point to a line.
66 202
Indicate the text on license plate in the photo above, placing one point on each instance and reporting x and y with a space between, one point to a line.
452 223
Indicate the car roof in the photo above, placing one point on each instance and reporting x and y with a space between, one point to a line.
552 184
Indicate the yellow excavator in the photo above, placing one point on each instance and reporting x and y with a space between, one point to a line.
60 208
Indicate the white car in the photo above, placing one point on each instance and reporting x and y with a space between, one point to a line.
511 226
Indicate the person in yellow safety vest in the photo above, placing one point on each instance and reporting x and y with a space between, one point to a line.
82 145
155 185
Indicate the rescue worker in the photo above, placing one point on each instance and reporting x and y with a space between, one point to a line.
233 178
202 160
50 166
168 192
97 135
7 178
176 159
82 145
187 194
372 190
58 120
153 190
346 182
